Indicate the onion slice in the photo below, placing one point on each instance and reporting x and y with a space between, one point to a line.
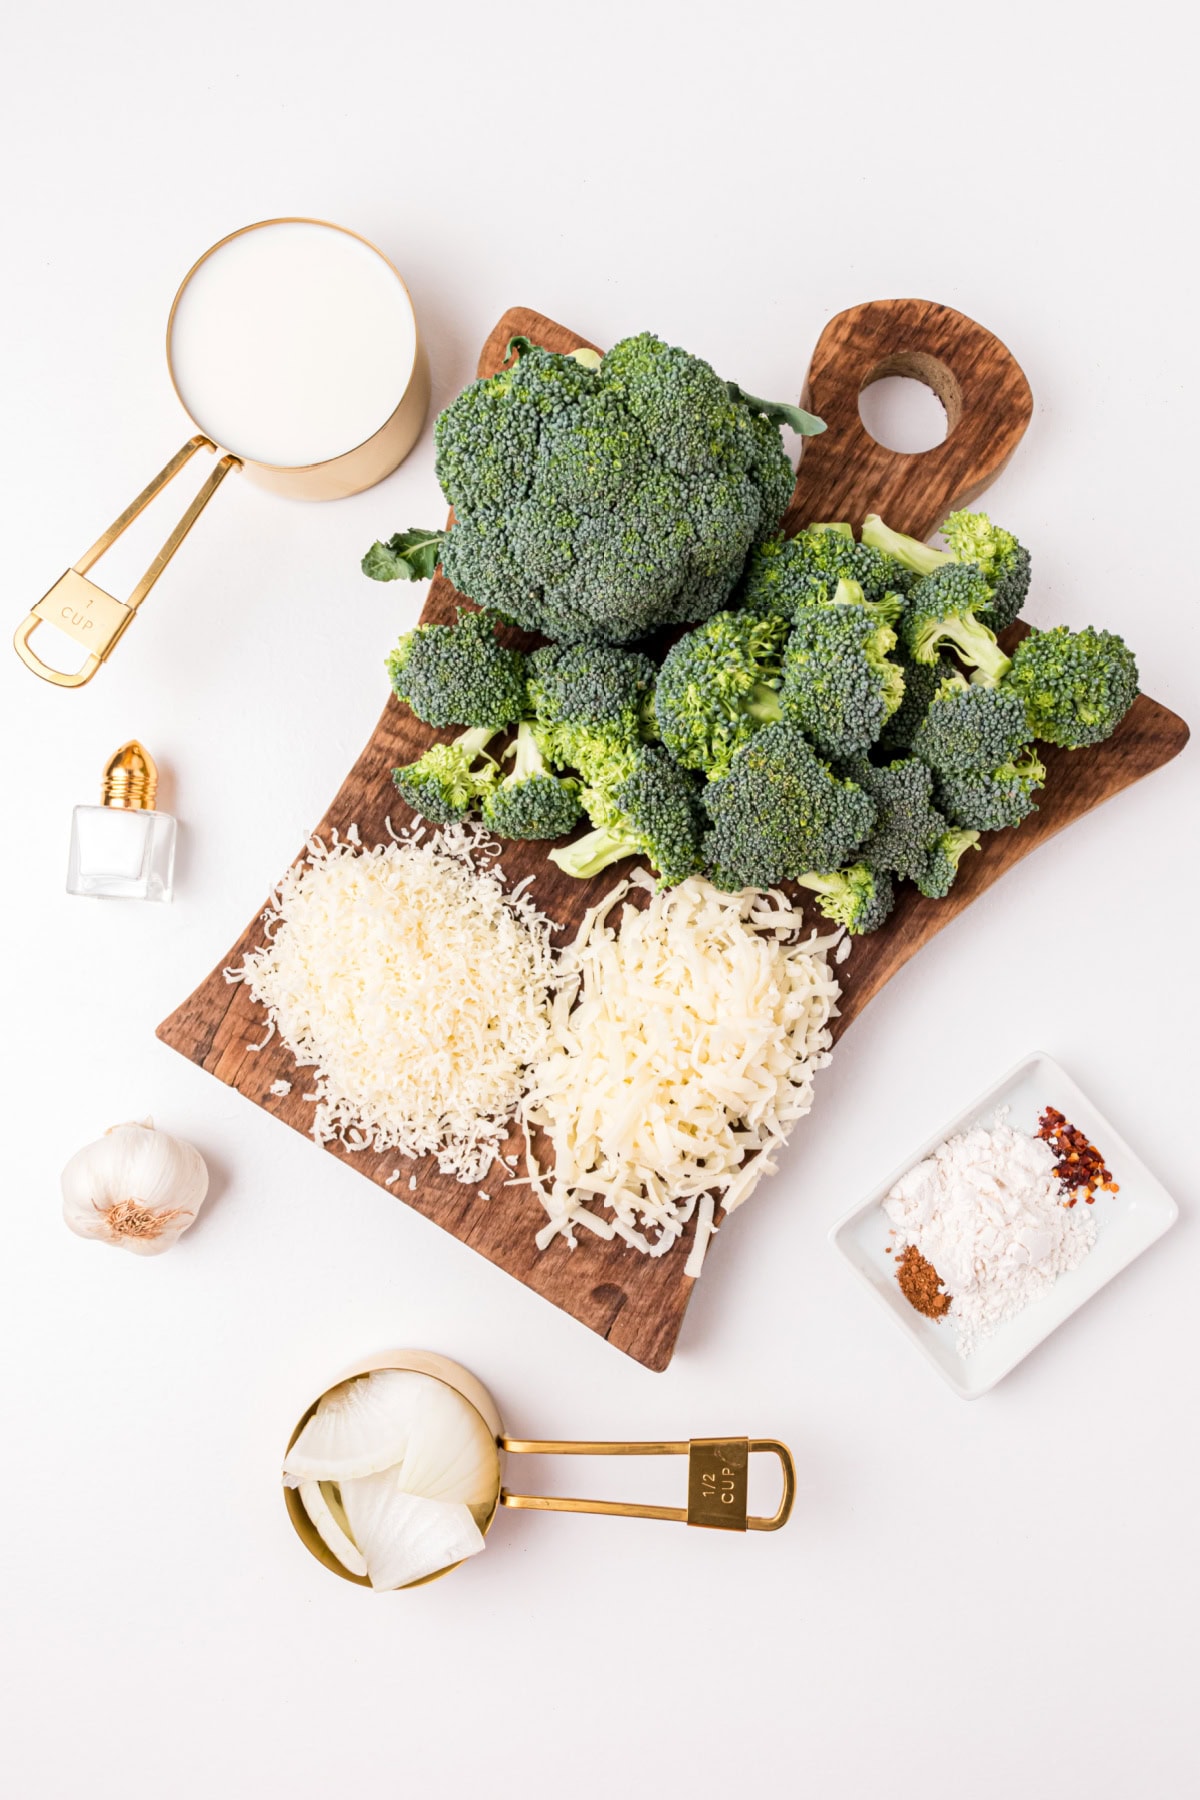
359 1428
451 1454
330 1532
403 1536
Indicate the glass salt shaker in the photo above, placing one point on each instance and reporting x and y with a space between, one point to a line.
123 848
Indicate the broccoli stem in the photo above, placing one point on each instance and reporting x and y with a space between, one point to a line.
907 550
955 843
978 646
527 754
1032 768
834 884
594 851
762 704
474 742
887 609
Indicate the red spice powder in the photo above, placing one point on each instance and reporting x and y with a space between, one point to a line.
1080 1168
921 1284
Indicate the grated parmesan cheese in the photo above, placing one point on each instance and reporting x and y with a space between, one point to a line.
417 988
683 1046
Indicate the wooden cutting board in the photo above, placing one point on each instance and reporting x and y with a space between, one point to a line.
635 1302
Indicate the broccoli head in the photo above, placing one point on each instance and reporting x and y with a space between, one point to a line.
531 802
839 684
1075 686
908 825
969 730
713 690
921 683
971 538
597 499
785 573
459 674
943 610
857 897
593 705
780 811
446 783
1000 559
650 812
992 799
942 868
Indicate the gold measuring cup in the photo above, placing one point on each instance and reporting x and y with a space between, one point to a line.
718 1468
97 620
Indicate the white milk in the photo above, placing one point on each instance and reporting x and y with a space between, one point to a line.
292 343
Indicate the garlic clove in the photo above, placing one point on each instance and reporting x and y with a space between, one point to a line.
330 1531
451 1455
359 1427
403 1536
136 1188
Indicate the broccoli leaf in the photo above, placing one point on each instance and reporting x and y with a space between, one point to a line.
409 556
779 412
518 344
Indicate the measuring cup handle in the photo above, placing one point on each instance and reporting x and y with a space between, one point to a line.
717 1480
85 612
844 474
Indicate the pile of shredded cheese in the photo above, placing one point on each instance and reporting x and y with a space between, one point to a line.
683 1045
415 985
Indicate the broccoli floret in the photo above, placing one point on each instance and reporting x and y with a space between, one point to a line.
713 690
942 867
459 674
590 702
969 730
921 683
531 802
839 684
785 573
1075 686
971 538
943 609
857 897
650 812
1002 561
780 811
908 825
597 499
445 783
991 800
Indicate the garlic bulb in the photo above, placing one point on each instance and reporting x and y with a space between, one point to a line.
135 1187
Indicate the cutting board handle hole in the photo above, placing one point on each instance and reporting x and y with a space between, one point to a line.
910 402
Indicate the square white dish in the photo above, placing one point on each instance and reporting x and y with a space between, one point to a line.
1127 1223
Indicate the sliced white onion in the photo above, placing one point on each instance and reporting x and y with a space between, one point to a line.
403 1536
451 1454
359 1427
332 1535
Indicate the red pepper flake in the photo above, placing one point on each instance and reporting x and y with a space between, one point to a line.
1080 1168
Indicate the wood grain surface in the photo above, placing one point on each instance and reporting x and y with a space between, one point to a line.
636 1302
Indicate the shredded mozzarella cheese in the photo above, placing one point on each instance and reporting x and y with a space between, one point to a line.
415 985
682 1049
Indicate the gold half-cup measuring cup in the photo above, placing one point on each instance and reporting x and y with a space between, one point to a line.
97 620
718 1469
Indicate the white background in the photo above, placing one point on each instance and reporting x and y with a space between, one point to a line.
997 1598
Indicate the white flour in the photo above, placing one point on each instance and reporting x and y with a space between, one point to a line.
987 1211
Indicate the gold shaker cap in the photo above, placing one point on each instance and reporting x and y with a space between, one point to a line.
130 779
